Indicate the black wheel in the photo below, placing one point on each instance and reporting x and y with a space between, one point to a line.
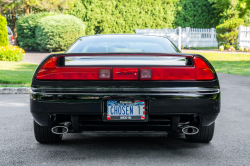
43 134
205 134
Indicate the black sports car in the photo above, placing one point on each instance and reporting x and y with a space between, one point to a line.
124 83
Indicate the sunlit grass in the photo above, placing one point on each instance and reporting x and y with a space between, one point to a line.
16 73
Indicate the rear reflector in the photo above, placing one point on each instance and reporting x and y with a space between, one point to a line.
51 71
203 71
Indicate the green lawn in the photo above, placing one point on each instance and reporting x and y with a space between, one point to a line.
19 74
238 64
204 48
16 74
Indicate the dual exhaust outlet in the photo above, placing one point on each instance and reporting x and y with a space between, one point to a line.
188 130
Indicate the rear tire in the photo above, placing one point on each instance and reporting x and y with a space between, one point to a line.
205 134
44 135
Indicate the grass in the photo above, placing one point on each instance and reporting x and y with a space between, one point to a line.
16 74
19 74
204 48
238 64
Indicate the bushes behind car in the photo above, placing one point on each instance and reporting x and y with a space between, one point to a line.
56 33
26 27
3 32
48 31
227 33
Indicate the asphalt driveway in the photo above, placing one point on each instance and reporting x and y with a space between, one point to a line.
230 146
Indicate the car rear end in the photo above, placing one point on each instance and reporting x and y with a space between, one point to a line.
10 36
171 92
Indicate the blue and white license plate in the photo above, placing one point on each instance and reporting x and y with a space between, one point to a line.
126 110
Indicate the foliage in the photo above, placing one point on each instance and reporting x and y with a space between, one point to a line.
3 32
246 19
56 33
17 73
11 53
119 16
26 27
221 48
194 14
227 33
241 48
231 49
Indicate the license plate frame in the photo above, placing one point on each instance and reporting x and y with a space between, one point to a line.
105 110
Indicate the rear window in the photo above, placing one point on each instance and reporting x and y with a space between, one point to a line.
122 44
9 31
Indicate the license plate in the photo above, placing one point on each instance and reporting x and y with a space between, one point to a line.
126 110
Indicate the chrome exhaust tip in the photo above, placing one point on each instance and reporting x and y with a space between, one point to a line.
190 130
59 130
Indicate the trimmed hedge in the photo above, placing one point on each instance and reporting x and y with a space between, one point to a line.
3 32
56 33
26 27
123 16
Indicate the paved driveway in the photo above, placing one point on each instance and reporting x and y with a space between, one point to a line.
34 57
230 146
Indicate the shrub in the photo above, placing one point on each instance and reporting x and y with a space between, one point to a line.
247 49
231 49
227 33
221 48
3 32
56 33
26 27
11 53
241 48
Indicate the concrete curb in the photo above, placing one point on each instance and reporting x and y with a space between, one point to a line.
13 90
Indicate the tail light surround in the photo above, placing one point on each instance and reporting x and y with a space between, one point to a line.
199 71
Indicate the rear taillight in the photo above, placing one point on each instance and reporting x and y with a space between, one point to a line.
51 71
13 39
203 71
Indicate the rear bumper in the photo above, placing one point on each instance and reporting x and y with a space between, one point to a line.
204 102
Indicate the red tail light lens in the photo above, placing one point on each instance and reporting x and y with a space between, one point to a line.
203 71
13 39
50 64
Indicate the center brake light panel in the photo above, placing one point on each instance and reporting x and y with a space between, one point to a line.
125 74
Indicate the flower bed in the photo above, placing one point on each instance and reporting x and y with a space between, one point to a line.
11 53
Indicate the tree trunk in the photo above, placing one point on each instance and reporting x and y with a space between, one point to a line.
26 10
13 13
31 10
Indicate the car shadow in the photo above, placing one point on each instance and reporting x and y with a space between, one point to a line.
80 147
